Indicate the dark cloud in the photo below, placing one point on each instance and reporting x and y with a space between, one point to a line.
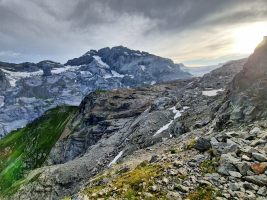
60 29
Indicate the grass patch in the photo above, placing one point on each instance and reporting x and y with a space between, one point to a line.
26 149
209 166
203 193
99 91
191 144
129 185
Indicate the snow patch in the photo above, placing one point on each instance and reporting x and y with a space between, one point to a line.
163 128
64 69
116 74
115 159
137 54
211 93
176 112
153 83
13 77
143 67
100 62
177 115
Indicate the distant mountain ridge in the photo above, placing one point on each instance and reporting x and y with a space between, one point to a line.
29 89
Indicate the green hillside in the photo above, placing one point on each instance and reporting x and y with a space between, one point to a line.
27 148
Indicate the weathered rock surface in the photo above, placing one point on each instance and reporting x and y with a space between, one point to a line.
245 99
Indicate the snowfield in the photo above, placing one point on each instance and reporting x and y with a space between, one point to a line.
211 93
13 77
100 62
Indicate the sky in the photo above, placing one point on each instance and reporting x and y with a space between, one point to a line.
193 32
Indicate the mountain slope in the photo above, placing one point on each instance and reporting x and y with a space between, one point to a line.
27 148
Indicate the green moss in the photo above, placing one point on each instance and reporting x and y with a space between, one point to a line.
99 91
209 166
191 144
26 149
203 193
129 185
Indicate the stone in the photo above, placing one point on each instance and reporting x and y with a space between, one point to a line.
235 174
173 172
223 148
148 195
154 159
250 194
259 157
242 167
250 186
224 169
262 191
181 188
182 172
260 180
173 195
204 183
258 142
165 180
255 130
154 188
178 163
246 158
234 186
202 144
198 158
259 168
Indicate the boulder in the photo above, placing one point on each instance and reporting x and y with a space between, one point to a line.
202 144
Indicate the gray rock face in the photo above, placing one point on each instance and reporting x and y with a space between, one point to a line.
246 96
4 83
29 89
142 66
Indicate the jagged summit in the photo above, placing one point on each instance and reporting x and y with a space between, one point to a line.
124 61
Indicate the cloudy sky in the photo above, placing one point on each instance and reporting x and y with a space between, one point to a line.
195 32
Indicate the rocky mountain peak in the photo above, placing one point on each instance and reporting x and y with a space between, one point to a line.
246 95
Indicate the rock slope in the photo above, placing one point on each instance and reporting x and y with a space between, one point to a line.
245 99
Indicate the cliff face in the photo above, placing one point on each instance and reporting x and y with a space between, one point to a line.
254 71
4 83
246 95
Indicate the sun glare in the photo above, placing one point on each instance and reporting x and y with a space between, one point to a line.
247 37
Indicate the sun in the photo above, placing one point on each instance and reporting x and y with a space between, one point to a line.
247 37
